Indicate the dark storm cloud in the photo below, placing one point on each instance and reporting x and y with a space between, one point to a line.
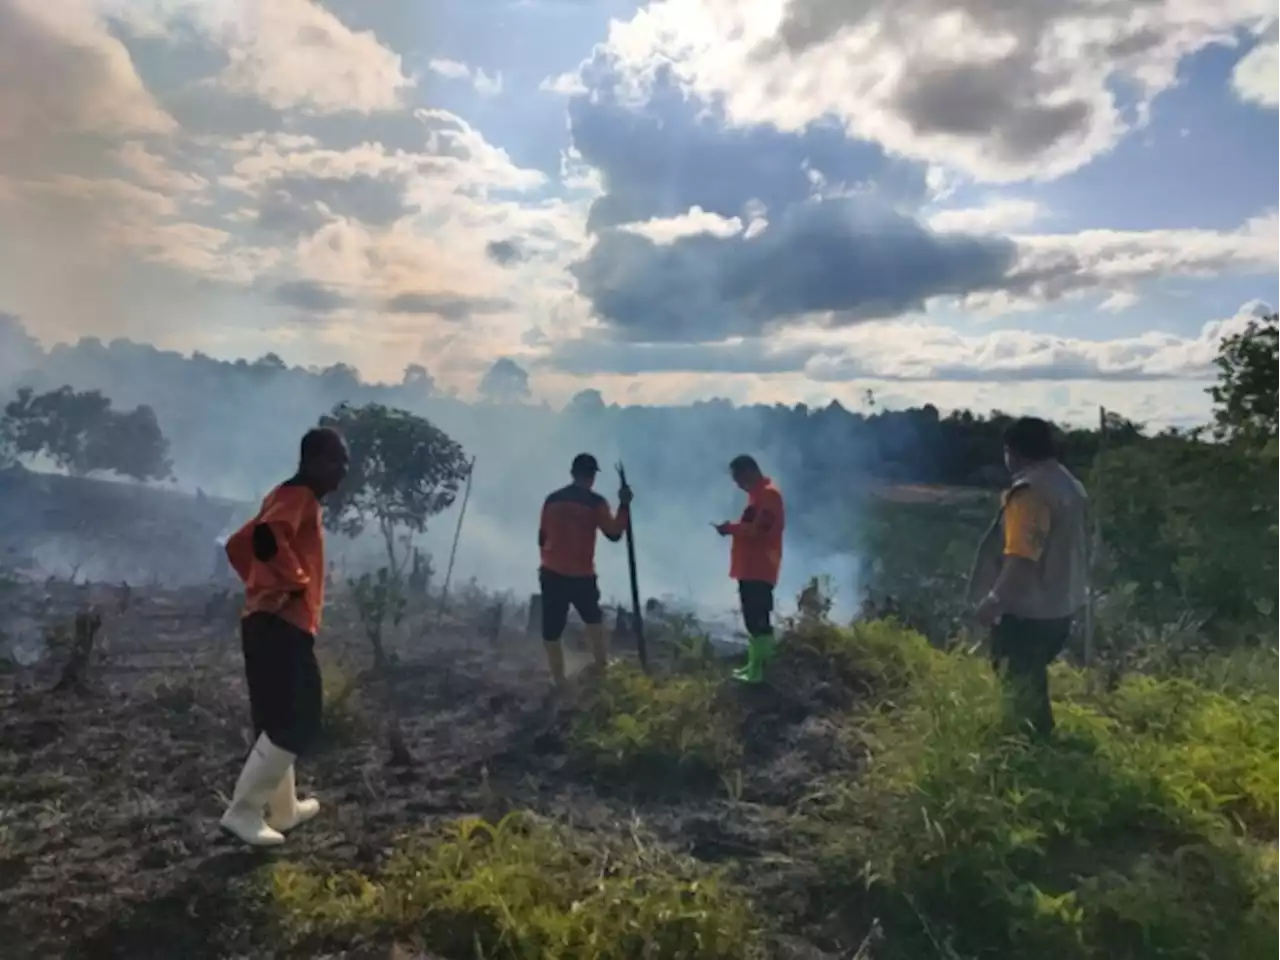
311 296
450 306
836 255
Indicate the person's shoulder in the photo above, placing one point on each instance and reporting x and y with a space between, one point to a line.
292 492
573 493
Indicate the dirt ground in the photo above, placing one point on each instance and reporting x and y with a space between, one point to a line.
109 797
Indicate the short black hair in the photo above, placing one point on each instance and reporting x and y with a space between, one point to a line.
744 463
1030 438
319 442
584 465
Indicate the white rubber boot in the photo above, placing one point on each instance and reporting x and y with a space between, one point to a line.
262 773
284 810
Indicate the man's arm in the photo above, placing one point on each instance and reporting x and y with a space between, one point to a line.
1026 528
274 532
759 520
612 525
542 527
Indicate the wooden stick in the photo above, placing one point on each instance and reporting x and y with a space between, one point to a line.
453 553
636 618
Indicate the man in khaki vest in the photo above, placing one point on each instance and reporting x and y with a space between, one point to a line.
1029 577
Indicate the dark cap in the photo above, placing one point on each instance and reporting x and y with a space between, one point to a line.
584 465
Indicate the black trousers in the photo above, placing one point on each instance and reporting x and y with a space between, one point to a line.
1021 651
285 695
559 593
757 606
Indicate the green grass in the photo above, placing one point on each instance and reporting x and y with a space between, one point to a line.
642 729
1145 829
517 890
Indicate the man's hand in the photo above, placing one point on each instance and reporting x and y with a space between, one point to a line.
722 528
987 612
625 496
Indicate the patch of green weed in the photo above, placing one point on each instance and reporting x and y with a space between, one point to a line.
520 890
637 726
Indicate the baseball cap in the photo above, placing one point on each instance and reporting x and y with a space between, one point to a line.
584 464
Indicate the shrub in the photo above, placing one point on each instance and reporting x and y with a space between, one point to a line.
640 728
519 890
1141 831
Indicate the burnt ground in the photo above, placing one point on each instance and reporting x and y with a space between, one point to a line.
110 796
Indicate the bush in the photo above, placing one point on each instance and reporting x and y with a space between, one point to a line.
1143 831
646 728
520 890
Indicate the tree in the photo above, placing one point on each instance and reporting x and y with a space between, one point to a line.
404 471
505 382
1245 395
417 377
81 434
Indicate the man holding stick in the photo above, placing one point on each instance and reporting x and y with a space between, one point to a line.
571 516
755 560
279 555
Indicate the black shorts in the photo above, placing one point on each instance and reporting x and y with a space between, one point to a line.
285 694
559 593
757 605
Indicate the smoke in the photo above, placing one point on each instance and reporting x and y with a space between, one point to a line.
234 429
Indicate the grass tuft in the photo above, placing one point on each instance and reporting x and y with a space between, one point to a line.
520 889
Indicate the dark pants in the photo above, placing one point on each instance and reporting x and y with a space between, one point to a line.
757 606
1021 651
559 593
285 694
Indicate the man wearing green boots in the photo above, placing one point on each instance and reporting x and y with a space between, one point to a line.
755 559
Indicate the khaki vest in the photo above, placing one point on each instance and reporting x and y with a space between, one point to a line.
1061 585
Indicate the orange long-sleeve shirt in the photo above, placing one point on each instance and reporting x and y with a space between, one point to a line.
567 530
279 555
756 553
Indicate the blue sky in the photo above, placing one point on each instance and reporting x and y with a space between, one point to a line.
1041 207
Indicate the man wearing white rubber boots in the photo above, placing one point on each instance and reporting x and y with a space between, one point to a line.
279 555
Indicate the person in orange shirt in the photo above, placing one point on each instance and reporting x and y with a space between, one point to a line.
279 555
755 559
567 528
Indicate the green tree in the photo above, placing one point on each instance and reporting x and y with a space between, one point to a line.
82 434
1244 397
404 471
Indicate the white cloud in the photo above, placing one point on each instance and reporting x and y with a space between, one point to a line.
1002 91
924 351
63 76
1256 78
290 54
667 230
564 84
485 84
997 216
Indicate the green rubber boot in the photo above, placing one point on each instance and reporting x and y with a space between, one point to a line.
760 651
752 666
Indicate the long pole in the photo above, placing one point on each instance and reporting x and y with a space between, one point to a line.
453 552
1095 537
636 619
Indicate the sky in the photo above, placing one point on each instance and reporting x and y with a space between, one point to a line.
1031 205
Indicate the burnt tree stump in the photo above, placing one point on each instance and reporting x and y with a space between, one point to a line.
75 673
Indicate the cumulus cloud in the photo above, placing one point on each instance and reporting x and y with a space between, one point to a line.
487 85
996 216
918 351
1256 78
837 256
1002 91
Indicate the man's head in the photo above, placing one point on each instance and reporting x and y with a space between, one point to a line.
323 459
1027 440
584 470
745 471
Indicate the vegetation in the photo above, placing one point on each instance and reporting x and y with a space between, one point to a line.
517 889
404 471
82 434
